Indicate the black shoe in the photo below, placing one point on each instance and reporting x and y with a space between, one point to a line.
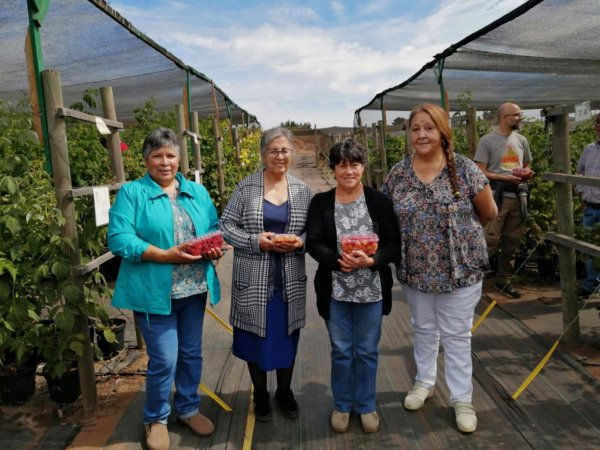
287 403
507 289
262 407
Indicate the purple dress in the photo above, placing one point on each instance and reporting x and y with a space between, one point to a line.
277 349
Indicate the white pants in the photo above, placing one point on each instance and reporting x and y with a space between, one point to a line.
449 316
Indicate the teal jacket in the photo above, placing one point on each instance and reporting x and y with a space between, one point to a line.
142 215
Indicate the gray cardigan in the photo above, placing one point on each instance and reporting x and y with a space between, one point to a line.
241 222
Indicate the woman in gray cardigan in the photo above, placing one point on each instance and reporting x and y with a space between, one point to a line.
268 292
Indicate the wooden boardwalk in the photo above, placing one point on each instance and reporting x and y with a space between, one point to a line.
559 410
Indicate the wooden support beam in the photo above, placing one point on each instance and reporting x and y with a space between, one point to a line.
57 133
572 179
93 264
570 242
113 141
89 190
184 164
566 227
67 112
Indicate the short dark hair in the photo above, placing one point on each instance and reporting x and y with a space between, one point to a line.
349 151
159 138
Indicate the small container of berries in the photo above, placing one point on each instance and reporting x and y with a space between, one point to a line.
281 237
367 242
203 244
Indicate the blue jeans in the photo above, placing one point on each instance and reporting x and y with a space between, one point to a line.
354 332
174 348
590 218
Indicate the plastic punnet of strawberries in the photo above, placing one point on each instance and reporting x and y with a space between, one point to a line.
203 244
367 242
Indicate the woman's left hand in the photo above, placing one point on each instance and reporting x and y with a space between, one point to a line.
355 260
288 246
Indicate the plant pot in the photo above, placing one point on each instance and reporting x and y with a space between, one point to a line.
65 389
110 349
17 384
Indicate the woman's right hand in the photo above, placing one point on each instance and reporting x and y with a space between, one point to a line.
265 243
173 255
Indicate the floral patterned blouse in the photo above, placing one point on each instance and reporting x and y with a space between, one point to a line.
188 279
361 285
442 242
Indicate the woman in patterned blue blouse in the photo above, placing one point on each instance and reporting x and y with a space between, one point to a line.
441 200
354 286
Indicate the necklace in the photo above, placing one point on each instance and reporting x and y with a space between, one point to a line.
425 174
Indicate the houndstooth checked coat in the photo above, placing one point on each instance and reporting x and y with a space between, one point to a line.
241 222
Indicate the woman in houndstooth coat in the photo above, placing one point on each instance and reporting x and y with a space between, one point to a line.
268 292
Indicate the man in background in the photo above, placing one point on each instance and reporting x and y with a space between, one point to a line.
504 157
589 165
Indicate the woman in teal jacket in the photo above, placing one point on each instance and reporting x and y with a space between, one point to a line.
166 287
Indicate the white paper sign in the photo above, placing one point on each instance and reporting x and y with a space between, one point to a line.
195 136
101 205
101 126
583 112
197 176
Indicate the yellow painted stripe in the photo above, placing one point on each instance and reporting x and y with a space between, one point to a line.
533 374
250 422
214 396
218 319
484 315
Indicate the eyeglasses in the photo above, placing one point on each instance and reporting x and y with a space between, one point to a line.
518 115
275 152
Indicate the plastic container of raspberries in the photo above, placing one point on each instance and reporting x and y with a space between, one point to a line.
282 237
203 244
367 242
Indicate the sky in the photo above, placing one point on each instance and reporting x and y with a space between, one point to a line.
308 61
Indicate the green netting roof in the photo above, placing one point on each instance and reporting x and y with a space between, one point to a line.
544 53
93 46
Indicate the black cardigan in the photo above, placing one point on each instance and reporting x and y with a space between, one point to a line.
321 243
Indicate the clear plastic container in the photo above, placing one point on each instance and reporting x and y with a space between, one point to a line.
367 242
205 243
283 238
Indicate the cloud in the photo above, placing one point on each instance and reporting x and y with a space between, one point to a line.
293 63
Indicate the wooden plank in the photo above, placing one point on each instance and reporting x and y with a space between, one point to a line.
89 190
581 246
73 113
93 264
572 179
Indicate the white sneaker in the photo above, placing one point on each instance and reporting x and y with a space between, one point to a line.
466 419
416 397
340 421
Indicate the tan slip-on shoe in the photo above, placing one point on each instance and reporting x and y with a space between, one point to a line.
415 398
466 419
340 421
370 422
157 436
200 424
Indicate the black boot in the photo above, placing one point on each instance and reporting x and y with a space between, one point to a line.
262 402
284 397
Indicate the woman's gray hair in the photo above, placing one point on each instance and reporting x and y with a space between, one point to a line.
274 133
159 138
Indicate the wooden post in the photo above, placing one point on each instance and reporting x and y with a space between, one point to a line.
113 141
384 166
471 127
565 225
409 147
57 138
184 164
365 142
196 145
236 144
220 163
316 147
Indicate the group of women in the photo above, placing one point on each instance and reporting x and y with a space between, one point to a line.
428 220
